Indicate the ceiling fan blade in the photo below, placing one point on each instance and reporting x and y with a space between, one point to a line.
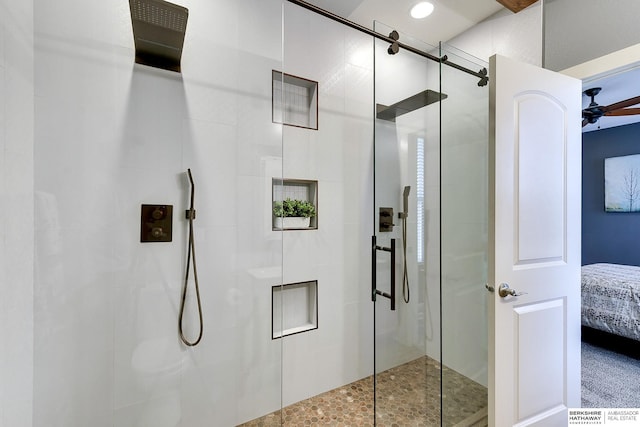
622 104
623 112
585 122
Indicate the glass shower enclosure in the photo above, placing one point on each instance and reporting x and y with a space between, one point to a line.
390 307
464 136
406 146
276 109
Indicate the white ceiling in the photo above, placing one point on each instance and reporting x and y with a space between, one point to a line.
449 18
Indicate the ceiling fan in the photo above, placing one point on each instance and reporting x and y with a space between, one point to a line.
593 112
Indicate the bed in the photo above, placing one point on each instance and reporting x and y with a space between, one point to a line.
611 299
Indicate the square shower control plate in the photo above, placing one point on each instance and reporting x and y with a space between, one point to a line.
156 223
386 220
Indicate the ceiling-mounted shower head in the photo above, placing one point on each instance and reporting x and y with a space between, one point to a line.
419 100
158 31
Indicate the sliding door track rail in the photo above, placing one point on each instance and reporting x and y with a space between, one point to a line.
482 74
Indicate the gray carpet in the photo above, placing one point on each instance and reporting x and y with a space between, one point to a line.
609 379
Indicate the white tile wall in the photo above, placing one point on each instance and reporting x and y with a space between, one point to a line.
112 135
338 155
16 213
518 36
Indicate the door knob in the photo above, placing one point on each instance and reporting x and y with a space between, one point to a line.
504 290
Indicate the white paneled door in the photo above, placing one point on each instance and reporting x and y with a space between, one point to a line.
535 187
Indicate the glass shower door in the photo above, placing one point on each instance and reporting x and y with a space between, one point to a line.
405 243
463 242
429 248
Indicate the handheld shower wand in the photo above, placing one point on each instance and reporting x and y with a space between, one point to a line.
403 216
191 253
405 195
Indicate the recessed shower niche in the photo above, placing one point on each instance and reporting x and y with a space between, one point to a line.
294 308
295 100
294 204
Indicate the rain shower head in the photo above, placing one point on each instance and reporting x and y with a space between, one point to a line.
158 32
419 100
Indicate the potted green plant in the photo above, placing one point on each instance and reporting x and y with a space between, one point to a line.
293 213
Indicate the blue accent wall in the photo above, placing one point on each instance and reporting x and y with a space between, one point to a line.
607 237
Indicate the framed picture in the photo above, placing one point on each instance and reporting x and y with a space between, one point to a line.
622 184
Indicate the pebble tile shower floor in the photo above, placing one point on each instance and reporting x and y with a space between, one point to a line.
408 395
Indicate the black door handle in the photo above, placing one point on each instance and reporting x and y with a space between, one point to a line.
374 291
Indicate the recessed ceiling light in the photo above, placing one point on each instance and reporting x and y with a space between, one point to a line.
421 10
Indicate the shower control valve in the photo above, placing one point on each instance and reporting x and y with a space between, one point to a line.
386 219
159 213
155 223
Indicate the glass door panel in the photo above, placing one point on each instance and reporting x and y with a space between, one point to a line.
464 230
405 248
323 98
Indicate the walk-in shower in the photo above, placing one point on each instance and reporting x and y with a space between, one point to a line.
290 329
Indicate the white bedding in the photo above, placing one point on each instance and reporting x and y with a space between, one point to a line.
611 299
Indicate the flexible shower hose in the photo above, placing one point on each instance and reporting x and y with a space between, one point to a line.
405 275
191 254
